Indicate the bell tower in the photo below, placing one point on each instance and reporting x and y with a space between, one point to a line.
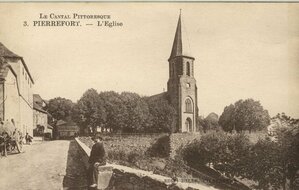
181 85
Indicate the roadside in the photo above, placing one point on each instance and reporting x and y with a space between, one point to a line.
46 165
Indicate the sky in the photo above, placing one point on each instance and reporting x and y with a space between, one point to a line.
241 50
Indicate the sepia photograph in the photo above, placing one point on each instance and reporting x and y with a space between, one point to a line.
149 95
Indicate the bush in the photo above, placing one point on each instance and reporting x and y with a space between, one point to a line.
133 157
116 155
161 148
269 163
226 152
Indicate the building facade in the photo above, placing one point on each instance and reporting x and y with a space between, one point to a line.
16 97
181 86
66 129
40 118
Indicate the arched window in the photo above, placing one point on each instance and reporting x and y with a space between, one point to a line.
188 105
188 69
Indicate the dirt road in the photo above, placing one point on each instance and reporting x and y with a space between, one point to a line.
49 165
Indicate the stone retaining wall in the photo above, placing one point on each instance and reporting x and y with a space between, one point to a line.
127 178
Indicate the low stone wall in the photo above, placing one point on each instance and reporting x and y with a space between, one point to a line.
181 139
127 178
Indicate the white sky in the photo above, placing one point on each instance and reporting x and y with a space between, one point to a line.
241 50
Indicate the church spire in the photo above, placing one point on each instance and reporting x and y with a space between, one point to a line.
179 48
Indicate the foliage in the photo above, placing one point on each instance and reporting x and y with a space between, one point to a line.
271 163
115 110
162 114
117 113
118 151
89 112
137 113
264 167
161 148
208 123
116 155
211 122
223 151
60 108
227 119
244 115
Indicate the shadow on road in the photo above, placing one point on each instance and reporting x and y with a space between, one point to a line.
76 174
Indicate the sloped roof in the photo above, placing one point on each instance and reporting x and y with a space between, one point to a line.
4 68
62 122
37 107
38 99
180 45
49 126
4 52
157 96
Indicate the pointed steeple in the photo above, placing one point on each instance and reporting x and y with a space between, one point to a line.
179 47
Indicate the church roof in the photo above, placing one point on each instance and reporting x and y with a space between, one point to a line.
180 45
158 96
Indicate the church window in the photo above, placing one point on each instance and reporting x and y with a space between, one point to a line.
188 106
188 85
188 69
172 71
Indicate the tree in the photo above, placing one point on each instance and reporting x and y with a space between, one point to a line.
244 115
226 152
90 111
60 108
200 124
211 122
137 112
227 119
115 109
162 115
288 143
273 164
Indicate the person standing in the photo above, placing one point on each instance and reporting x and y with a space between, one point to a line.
28 139
16 139
97 158
3 144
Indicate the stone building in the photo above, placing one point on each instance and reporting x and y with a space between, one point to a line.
181 86
66 129
40 118
16 98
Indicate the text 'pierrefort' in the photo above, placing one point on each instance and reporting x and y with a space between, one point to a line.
73 20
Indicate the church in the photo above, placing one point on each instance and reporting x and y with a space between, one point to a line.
181 86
